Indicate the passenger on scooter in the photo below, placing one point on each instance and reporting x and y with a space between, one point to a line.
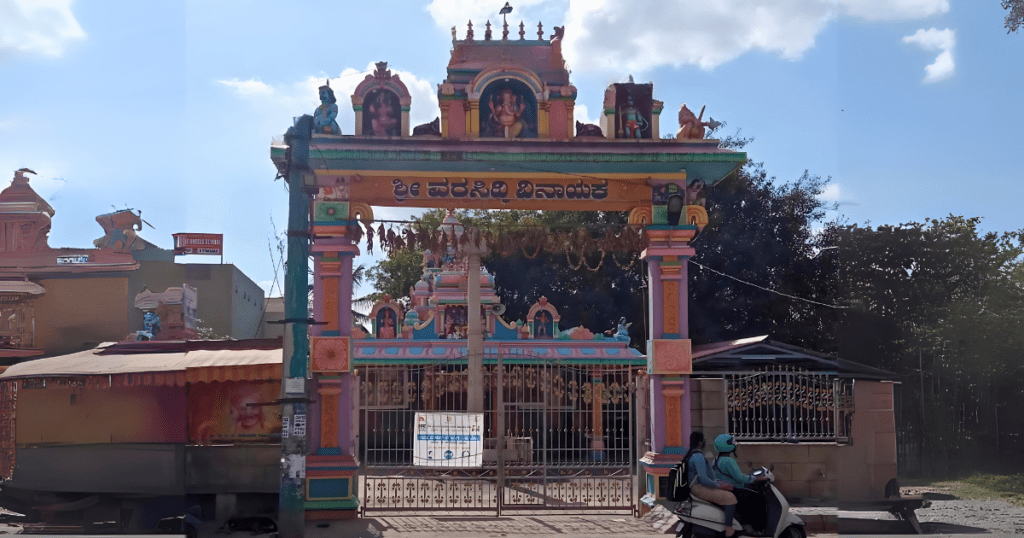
750 504
703 486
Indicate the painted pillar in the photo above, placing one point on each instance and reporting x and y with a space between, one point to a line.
597 446
668 351
475 341
330 491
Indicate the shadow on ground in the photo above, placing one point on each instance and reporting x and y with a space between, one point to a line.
878 526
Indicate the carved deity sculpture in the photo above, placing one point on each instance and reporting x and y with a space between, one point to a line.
694 193
120 231
588 129
621 333
383 120
151 322
388 328
690 126
631 119
507 111
325 116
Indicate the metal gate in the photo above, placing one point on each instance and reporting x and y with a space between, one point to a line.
569 437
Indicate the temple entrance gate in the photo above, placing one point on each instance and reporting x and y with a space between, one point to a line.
569 437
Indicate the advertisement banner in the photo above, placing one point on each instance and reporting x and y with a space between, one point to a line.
212 244
451 440
230 412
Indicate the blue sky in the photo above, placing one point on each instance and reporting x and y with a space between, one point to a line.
913 107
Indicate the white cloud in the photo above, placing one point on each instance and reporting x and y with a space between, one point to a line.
247 88
831 193
302 96
892 10
617 36
43 27
582 115
942 41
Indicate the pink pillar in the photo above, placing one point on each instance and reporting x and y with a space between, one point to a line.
668 352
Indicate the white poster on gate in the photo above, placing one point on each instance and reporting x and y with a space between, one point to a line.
452 440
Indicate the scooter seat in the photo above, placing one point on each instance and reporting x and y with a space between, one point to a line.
698 500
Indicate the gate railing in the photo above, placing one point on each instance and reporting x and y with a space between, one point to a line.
788 404
569 436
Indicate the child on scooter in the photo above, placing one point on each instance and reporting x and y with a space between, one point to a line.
702 484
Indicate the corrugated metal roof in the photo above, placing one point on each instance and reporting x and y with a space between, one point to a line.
92 363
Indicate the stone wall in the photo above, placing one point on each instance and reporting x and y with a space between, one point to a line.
801 470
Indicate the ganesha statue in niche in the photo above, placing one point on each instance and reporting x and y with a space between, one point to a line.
507 112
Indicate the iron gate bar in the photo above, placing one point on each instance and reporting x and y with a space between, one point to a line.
569 433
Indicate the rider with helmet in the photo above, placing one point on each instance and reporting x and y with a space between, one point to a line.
750 504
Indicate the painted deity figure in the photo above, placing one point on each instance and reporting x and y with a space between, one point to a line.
690 126
383 119
694 194
325 116
541 331
151 324
621 333
631 119
507 111
387 329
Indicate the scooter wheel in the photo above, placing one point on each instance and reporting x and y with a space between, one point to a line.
686 531
793 531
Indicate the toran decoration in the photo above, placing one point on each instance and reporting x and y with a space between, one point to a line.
507 241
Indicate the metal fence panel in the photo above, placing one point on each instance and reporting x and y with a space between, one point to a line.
787 404
569 437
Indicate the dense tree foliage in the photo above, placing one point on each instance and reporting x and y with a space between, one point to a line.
942 305
1015 15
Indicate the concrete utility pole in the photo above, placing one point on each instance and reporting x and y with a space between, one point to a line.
475 336
291 509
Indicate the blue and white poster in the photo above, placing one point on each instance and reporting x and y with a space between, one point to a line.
451 440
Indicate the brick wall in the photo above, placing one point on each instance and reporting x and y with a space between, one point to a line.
823 471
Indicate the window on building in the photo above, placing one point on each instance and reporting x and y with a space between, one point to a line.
781 405
17 321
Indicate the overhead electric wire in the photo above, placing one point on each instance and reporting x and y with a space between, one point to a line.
758 286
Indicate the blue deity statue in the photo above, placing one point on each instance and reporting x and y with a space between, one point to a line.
621 333
325 115
151 322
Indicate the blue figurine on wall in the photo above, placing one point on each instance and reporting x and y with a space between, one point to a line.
151 322
621 333
325 116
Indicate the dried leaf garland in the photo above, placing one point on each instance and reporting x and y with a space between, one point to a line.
369 239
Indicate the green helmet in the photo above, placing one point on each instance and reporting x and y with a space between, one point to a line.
724 443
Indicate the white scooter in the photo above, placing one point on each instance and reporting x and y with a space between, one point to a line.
699 518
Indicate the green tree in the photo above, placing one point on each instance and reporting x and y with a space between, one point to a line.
942 305
1015 17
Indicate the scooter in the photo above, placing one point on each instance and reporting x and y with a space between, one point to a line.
700 518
